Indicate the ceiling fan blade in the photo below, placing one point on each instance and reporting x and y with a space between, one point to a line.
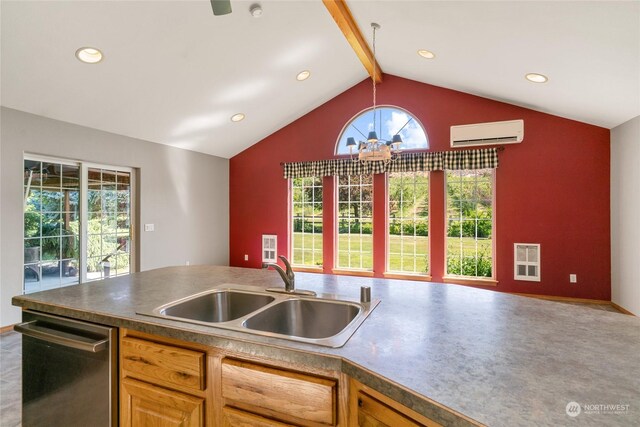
221 7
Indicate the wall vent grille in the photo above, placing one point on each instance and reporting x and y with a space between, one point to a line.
269 247
526 265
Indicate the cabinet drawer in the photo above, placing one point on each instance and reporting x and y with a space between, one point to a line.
273 391
163 364
235 418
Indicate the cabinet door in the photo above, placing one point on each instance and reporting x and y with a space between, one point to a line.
143 404
373 413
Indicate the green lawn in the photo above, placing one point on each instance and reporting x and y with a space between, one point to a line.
468 246
355 251
401 254
312 253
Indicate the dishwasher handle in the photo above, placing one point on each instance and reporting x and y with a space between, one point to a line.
31 329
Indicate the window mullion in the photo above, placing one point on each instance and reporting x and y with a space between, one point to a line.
84 185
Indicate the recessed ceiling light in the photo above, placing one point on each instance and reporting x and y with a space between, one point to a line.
536 78
237 117
89 55
426 54
303 75
255 10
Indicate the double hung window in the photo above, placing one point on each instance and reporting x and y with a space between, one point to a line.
469 241
306 209
408 223
354 241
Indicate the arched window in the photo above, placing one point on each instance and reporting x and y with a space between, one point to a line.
389 120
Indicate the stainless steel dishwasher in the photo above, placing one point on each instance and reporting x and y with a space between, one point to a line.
69 372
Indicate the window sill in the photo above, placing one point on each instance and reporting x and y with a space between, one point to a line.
305 269
400 276
469 281
362 273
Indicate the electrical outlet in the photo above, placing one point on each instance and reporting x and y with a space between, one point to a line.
573 278
149 227
188 263
246 257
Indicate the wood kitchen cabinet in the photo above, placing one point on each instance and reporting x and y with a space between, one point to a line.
368 408
146 405
166 382
161 384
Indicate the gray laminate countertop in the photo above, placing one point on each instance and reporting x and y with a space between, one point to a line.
498 359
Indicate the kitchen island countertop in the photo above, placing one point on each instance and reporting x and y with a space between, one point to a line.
488 357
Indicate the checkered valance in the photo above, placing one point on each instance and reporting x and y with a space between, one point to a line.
407 162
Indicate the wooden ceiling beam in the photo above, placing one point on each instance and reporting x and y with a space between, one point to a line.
342 15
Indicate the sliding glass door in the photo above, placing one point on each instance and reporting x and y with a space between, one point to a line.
51 224
109 223
77 222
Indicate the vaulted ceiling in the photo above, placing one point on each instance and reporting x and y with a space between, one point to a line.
174 74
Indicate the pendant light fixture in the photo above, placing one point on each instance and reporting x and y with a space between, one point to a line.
374 148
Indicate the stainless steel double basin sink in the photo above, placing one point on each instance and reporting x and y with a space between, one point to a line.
322 321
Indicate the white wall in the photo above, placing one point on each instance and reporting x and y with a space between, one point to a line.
184 193
625 215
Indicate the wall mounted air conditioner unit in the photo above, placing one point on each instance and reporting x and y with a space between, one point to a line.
508 132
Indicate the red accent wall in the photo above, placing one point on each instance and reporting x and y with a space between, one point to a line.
551 189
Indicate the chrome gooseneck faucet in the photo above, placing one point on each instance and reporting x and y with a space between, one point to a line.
288 277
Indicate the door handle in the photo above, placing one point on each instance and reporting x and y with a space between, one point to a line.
66 339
